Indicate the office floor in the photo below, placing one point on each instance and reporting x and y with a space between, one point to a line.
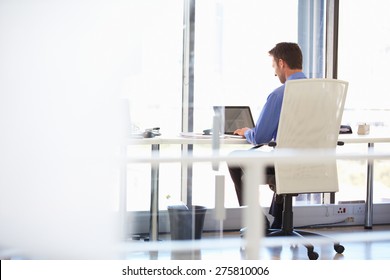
359 243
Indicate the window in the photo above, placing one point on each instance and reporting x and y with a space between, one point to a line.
232 67
154 83
363 54
154 88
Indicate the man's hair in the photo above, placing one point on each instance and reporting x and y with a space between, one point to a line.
290 52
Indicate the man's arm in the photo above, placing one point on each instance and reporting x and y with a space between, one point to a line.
267 123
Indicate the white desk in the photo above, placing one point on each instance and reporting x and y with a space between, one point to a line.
161 140
155 143
377 136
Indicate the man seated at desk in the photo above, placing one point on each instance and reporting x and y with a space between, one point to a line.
287 63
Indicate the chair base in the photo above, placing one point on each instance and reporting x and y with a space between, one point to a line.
288 230
312 255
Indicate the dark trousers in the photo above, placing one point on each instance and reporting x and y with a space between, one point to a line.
276 207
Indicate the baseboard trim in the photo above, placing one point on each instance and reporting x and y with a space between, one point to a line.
304 216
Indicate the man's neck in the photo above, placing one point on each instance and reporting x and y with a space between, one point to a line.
290 72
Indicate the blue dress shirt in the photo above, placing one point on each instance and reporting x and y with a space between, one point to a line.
268 121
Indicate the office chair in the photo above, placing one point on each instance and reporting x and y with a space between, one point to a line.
309 122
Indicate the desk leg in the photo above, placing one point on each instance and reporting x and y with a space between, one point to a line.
123 193
154 223
186 176
369 201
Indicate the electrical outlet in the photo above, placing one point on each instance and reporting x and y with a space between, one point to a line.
359 209
341 210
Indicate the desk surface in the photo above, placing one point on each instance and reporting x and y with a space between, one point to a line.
377 135
183 140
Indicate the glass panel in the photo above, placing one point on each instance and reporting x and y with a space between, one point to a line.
154 83
232 67
154 88
363 55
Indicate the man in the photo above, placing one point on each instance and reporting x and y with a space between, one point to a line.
287 63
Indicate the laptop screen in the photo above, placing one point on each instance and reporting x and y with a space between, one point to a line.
236 117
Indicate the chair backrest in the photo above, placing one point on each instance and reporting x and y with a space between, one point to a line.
310 119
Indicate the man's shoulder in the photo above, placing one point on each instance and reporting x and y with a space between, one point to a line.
297 76
279 90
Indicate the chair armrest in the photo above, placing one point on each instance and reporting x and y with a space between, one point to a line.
257 146
272 144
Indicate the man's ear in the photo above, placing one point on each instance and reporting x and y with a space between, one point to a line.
281 63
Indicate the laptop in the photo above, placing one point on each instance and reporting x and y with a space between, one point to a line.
235 117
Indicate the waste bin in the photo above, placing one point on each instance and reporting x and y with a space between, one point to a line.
186 222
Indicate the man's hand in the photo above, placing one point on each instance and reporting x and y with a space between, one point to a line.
241 131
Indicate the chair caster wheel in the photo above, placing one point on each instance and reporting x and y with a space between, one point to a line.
339 248
312 255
